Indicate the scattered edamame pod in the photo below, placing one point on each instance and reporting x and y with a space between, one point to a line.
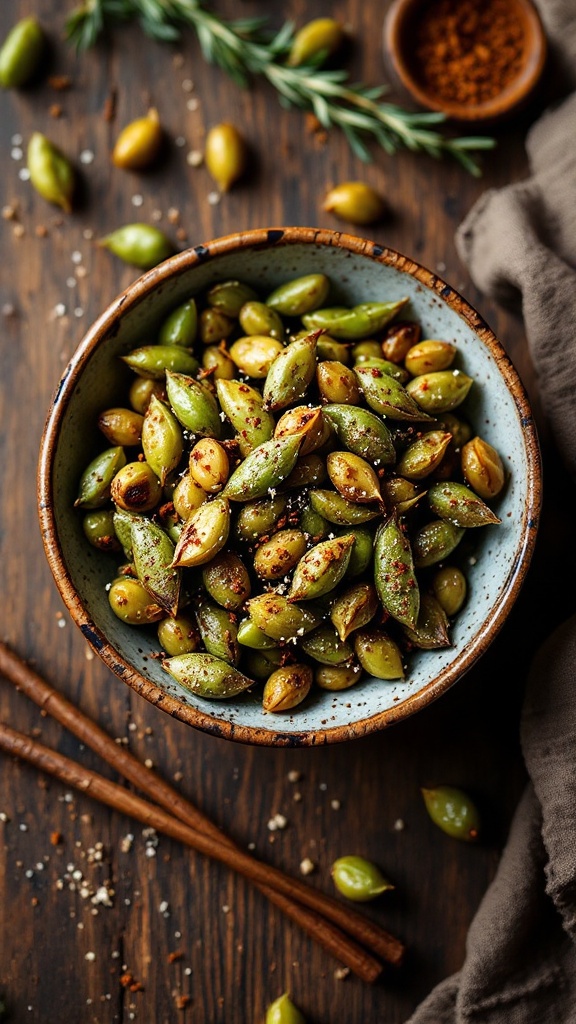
225 155
51 173
139 143
453 811
141 245
358 879
356 202
283 1011
153 552
315 42
21 53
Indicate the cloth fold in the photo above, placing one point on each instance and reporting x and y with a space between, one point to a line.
519 244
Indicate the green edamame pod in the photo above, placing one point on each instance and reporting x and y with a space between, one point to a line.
180 326
453 811
279 618
459 505
291 373
51 173
228 297
431 629
336 509
193 404
321 569
387 396
96 480
162 439
153 361
205 533
263 469
244 407
21 53
325 646
141 245
440 391
394 575
362 432
354 324
153 552
207 676
283 1011
302 295
218 630
358 879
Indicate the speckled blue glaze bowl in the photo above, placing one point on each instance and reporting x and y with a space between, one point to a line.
361 271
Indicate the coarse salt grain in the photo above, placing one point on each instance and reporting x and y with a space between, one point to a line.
137 199
307 866
272 825
76 256
16 153
192 104
71 282
180 141
294 776
150 851
16 140
90 956
281 821
4 816
195 158
24 174
213 198
187 85
399 825
156 214
148 763
23 826
163 906
335 805
86 156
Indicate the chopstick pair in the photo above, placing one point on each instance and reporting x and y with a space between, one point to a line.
360 944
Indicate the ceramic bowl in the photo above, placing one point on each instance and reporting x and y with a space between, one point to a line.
360 271
399 29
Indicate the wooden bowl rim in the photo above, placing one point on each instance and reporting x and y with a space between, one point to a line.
132 297
519 89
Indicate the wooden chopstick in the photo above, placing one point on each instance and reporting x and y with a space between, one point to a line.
293 900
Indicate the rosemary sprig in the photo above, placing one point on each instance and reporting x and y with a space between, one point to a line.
244 49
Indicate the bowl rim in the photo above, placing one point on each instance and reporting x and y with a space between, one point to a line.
129 299
536 52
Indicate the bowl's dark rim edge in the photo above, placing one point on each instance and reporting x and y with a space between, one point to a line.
130 298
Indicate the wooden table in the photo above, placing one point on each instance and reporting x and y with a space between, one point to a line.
182 927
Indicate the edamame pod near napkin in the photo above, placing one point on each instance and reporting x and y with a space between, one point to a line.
520 242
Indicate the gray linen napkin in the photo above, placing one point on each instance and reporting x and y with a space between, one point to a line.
519 244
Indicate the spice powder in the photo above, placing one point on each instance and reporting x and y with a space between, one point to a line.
468 51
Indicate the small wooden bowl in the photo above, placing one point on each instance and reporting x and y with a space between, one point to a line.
399 35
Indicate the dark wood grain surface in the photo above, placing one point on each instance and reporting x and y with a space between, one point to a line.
204 945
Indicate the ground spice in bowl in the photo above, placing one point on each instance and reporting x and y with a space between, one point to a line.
471 59
469 53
